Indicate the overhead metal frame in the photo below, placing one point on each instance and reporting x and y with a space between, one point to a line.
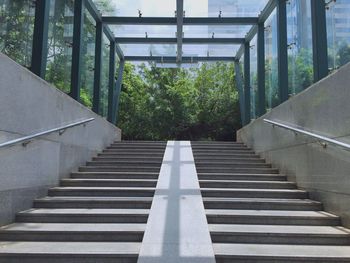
199 41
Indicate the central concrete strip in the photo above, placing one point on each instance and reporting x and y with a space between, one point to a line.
177 229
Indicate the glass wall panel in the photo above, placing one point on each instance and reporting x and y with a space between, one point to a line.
16 30
300 61
104 77
338 33
253 78
88 60
60 41
271 64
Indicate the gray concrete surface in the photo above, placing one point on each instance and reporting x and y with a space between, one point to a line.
28 105
177 229
323 108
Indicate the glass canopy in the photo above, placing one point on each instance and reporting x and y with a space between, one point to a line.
203 38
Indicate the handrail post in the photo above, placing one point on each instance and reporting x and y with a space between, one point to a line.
247 83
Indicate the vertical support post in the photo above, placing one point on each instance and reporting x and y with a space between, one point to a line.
319 39
79 6
261 69
118 87
246 83
239 83
98 65
282 51
40 36
111 84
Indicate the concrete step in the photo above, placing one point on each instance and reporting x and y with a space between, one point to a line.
142 142
102 191
242 150
202 161
108 182
137 147
270 217
280 234
113 154
69 252
125 163
94 202
228 165
254 193
52 232
118 158
219 147
115 175
247 184
119 168
242 169
262 204
241 176
134 151
259 253
83 216
219 156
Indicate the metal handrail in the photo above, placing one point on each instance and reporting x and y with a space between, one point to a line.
314 135
24 140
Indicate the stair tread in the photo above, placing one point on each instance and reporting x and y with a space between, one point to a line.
245 181
94 198
295 251
92 211
73 227
102 188
276 229
106 180
284 213
82 248
253 190
262 200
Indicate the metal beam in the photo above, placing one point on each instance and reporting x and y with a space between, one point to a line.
98 65
111 38
261 69
94 12
247 83
267 11
204 41
77 48
168 59
319 39
180 29
282 50
111 84
112 20
239 83
118 88
41 25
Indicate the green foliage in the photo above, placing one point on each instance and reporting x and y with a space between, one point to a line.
343 56
173 103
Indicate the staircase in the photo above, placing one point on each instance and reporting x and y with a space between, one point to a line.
256 215
98 215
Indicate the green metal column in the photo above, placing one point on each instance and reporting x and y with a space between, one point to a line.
261 69
319 39
246 83
40 36
239 83
79 6
98 65
111 85
282 50
118 88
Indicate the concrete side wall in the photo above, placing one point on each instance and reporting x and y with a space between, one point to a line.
28 105
324 108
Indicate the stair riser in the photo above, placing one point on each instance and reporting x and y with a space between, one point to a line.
95 236
231 165
204 156
127 151
259 220
68 258
237 170
219 161
92 205
220 148
120 159
130 155
262 206
112 193
120 169
266 259
127 164
137 219
115 176
108 184
243 194
138 146
241 177
246 185
271 238
222 152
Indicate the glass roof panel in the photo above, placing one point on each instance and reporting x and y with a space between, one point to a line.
210 50
228 8
140 31
149 49
219 31
155 8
